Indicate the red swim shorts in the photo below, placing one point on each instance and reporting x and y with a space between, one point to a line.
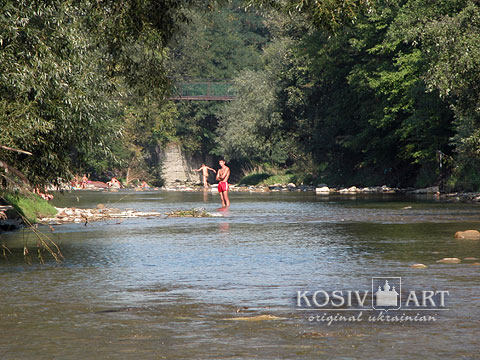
222 186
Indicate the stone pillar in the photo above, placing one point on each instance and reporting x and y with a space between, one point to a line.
177 167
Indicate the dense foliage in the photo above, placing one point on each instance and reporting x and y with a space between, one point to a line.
66 68
213 47
339 91
371 102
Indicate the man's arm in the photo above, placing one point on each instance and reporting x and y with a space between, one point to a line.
226 175
209 168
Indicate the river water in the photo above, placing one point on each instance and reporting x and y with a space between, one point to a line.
168 288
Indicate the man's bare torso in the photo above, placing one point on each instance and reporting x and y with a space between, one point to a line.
222 173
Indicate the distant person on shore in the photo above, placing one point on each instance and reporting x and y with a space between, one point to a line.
43 194
222 176
76 181
84 182
144 185
114 183
204 169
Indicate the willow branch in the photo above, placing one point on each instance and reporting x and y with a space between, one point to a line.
17 150
14 171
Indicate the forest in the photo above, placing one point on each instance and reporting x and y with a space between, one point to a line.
343 92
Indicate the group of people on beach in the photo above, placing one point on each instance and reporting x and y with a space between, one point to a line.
223 175
114 183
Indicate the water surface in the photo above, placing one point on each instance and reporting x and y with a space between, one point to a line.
165 287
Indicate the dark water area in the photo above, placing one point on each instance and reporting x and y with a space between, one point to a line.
168 288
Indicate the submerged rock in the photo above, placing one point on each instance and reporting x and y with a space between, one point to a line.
449 261
198 212
255 318
419 266
467 234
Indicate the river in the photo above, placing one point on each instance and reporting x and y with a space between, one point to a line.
167 288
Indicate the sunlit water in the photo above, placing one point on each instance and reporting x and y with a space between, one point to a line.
166 287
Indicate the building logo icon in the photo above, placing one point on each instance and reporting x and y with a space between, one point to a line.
386 293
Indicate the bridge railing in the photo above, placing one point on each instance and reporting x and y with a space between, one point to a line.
207 90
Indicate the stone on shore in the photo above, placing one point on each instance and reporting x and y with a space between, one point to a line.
449 261
468 234
429 190
322 190
350 190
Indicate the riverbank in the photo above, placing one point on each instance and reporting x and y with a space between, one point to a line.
320 189
11 220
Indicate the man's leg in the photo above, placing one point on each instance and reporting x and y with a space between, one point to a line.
205 183
223 199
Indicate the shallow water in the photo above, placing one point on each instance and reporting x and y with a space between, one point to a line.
166 287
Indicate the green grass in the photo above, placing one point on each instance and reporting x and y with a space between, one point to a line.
266 179
254 178
278 179
30 206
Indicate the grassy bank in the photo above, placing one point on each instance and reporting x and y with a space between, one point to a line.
31 206
267 179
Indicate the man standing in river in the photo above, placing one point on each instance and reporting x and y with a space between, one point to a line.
204 169
222 176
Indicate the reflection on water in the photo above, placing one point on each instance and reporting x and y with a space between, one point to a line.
161 288
224 227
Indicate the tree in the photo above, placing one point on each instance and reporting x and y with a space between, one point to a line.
447 35
249 127
63 67
213 47
53 96
330 15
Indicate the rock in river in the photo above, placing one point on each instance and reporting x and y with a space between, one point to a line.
449 261
418 266
254 318
468 234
